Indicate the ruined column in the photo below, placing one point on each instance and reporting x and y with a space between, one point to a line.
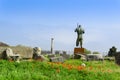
52 45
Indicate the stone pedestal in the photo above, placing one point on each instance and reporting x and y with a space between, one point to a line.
79 50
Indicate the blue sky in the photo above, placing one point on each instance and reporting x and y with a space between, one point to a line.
34 22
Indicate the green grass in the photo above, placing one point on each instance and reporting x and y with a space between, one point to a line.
36 70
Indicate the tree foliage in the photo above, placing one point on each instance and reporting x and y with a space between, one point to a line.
87 51
112 51
96 52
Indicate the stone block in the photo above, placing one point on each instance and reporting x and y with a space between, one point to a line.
78 50
57 59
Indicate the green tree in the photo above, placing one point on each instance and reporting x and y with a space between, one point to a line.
87 51
96 52
112 51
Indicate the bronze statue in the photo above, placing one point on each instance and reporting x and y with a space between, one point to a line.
80 32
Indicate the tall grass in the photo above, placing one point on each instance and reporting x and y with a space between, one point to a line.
70 70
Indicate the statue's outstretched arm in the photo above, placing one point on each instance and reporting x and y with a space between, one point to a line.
75 30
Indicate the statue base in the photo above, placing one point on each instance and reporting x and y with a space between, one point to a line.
79 50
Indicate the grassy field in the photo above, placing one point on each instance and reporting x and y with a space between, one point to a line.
69 70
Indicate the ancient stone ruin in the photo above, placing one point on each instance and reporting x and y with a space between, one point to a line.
9 55
37 54
57 59
92 57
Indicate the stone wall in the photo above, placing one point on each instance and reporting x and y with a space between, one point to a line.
25 52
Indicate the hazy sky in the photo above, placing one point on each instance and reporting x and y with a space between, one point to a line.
35 22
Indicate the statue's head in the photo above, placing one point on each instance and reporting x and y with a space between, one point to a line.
79 26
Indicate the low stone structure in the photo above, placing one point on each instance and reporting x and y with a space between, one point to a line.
92 57
9 55
80 56
57 59
65 56
37 50
109 58
79 50
77 56
37 54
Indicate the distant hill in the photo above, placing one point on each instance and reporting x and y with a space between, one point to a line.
3 44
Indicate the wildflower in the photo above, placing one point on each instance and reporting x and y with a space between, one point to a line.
69 67
80 68
90 67
109 71
57 70
100 67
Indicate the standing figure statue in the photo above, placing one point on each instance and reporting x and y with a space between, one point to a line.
79 31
